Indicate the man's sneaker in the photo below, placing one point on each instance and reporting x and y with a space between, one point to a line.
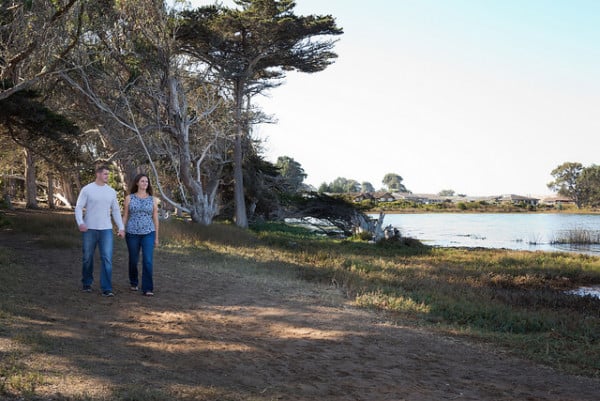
87 288
108 294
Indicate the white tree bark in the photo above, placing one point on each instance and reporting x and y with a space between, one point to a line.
164 107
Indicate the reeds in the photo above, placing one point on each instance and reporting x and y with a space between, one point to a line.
577 237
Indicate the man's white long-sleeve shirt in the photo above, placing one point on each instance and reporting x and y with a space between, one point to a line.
100 202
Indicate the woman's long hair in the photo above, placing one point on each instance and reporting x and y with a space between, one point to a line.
136 180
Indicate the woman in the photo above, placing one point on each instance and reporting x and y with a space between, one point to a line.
140 217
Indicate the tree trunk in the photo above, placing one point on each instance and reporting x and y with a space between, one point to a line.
30 185
204 210
241 218
50 190
66 184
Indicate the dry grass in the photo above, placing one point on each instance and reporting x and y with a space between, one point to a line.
231 297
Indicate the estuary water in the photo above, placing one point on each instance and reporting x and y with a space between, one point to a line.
520 231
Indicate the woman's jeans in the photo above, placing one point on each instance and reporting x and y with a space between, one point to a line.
145 243
104 240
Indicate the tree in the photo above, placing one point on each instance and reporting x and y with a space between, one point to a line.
292 172
588 184
394 183
565 181
323 212
342 185
129 68
40 133
367 187
446 192
34 39
324 187
252 47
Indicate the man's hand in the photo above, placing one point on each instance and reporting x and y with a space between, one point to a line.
121 233
83 228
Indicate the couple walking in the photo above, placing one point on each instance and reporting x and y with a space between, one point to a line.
139 226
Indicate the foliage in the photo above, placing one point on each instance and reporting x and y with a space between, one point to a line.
341 185
35 38
30 124
264 188
331 213
565 181
394 182
582 184
588 184
292 172
366 186
446 192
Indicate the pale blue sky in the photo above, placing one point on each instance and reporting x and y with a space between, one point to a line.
484 97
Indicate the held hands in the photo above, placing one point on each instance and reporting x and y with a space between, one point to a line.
83 228
121 233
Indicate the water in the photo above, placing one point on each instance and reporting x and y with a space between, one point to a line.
520 231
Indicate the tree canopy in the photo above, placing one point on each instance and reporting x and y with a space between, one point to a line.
34 39
292 172
582 184
565 181
31 124
340 185
394 182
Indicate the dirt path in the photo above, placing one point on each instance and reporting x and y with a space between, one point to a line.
212 334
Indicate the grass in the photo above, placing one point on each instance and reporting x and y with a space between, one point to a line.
512 299
577 237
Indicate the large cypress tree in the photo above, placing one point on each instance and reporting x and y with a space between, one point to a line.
252 47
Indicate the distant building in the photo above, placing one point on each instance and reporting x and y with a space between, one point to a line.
362 197
556 201
383 197
518 200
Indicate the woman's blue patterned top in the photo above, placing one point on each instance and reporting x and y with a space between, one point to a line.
140 215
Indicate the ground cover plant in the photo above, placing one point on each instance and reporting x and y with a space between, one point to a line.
279 313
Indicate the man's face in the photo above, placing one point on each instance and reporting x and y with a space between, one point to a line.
102 176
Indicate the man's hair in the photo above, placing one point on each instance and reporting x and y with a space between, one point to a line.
101 168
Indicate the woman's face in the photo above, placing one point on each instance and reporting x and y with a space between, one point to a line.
143 183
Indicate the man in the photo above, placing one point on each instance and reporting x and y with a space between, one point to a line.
100 202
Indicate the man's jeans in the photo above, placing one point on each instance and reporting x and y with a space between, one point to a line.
104 240
145 243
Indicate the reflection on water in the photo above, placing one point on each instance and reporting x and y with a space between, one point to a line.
520 231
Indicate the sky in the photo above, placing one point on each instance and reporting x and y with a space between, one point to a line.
483 97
